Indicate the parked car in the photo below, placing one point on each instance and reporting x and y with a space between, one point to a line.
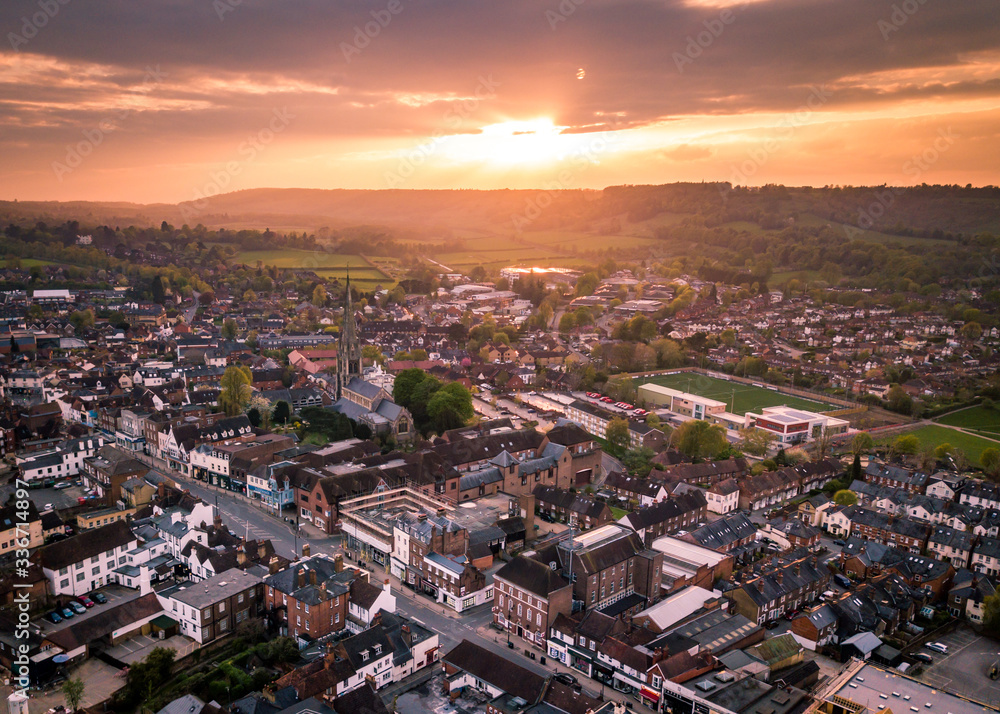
842 580
77 607
565 677
937 647
771 624
839 542
923 657
607 400
81 500
63 484
85 601
67 613
54 617
99 598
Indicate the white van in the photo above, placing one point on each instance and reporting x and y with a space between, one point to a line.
937 647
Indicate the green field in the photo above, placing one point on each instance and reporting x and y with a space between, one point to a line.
978 419
934 436
739 398
30 262
618 512
328 265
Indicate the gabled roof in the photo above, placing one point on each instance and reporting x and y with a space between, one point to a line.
533 576
499 671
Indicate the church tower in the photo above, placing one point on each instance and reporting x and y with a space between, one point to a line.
349 346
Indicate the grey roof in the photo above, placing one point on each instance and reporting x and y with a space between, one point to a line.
864 642
188 704
212 590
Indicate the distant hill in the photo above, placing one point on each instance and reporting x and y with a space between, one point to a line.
922 210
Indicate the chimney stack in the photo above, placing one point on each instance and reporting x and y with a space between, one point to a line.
387 586
338 563
312 577
272 566
241 556
261 550
305 550
302 578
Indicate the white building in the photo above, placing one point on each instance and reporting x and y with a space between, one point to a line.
85 562
64 462
794 426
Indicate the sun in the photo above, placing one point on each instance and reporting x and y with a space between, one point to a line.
516 141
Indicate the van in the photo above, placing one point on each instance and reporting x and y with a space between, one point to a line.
842 580
937 647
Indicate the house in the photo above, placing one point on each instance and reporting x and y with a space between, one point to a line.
723 497
610 565
896 477
20 528
728 534
816 626
681 512
86 561
813 509
864 559
213 608
783 589
527 597
108 469
951 546
470 665
986 556
644 491
577 509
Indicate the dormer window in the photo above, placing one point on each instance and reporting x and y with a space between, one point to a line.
364 655
378 649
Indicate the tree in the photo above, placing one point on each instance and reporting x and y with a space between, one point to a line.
264 409
405 385
898 400
755 441
228 329
638 461
990 461
856 468
282 412
617 435
82 319
319 296
235 389
861 443
699 439
905 445
72 690
845 498
450 407
251 339
567 322
158 291
991 614
254 416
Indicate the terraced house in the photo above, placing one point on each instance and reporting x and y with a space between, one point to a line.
681 512
527 598
786 587
577 509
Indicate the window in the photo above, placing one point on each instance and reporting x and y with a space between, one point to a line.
222 606
336 618
501 602
518 609
80 577
298 619
538 619
239 598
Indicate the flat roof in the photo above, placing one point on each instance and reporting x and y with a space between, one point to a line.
668 392
877 688
687 552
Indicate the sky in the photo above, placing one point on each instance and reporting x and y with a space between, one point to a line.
174 100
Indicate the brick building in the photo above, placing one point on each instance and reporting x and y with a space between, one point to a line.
527 597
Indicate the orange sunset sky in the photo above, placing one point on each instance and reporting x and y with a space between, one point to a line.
163 100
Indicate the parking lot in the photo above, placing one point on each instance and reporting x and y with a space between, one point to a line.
116 595
964 669
58 497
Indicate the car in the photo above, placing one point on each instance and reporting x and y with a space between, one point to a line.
593 395
81 500
771 624
77 607
566 678
85 601
937 647
67 613
842 580
63 484
641 412
54 617
47 507
923 657
607 400
99 598
791 615
626 405
840 543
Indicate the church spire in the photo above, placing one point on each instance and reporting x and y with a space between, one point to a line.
349 351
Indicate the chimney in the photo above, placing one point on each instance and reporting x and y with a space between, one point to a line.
217 520
305 550
302 578
241 556
387 586
261 550
338 563
272 566
312 577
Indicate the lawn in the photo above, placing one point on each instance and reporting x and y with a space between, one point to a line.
329 265
739 398
30 262
980 419
618 512
934 436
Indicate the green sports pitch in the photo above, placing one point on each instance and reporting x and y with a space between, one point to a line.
739 398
